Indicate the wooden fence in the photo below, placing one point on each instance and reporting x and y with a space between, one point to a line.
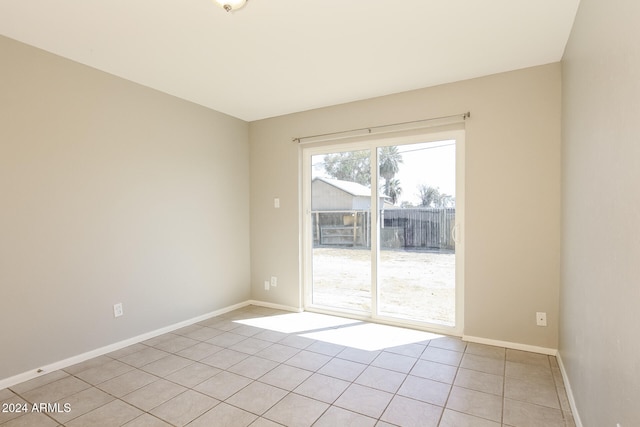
411 228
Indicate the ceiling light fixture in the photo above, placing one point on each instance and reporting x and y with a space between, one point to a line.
230 5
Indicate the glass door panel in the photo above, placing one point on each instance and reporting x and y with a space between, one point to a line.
341 230
417 217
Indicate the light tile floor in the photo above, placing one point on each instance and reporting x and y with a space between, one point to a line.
263 367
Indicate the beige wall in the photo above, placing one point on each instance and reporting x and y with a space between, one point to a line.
600 293
111 192
512 195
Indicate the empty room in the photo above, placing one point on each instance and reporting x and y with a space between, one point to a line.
319 213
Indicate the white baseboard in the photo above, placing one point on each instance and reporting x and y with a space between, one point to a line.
43 370
275 306
541 350
26 376
511 345
567 386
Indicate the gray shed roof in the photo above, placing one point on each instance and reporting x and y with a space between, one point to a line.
352 188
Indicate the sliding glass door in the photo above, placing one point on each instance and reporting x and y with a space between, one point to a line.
382 228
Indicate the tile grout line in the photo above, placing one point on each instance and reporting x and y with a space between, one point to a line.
278 363
400 386
453 381
504 387
32 403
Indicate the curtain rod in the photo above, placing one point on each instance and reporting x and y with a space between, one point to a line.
337 135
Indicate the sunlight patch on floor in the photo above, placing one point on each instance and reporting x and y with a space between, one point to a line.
371 336
292 323
340 331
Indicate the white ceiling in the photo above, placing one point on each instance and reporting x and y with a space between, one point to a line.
281 56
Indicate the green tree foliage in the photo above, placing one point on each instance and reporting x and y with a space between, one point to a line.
353 166
430 197
390 159
393 190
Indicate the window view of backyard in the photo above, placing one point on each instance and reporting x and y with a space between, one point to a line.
415 263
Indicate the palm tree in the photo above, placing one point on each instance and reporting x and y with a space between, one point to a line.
447 201
432 197
393 190
355 166
390 159
429 196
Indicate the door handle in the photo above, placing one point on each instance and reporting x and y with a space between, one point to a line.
455 231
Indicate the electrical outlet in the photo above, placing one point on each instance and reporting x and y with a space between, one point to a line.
541 318
266 285
117 310
276 203
274 281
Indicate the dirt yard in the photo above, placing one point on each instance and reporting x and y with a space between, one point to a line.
416 285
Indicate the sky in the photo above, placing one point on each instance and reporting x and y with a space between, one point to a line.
433 164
